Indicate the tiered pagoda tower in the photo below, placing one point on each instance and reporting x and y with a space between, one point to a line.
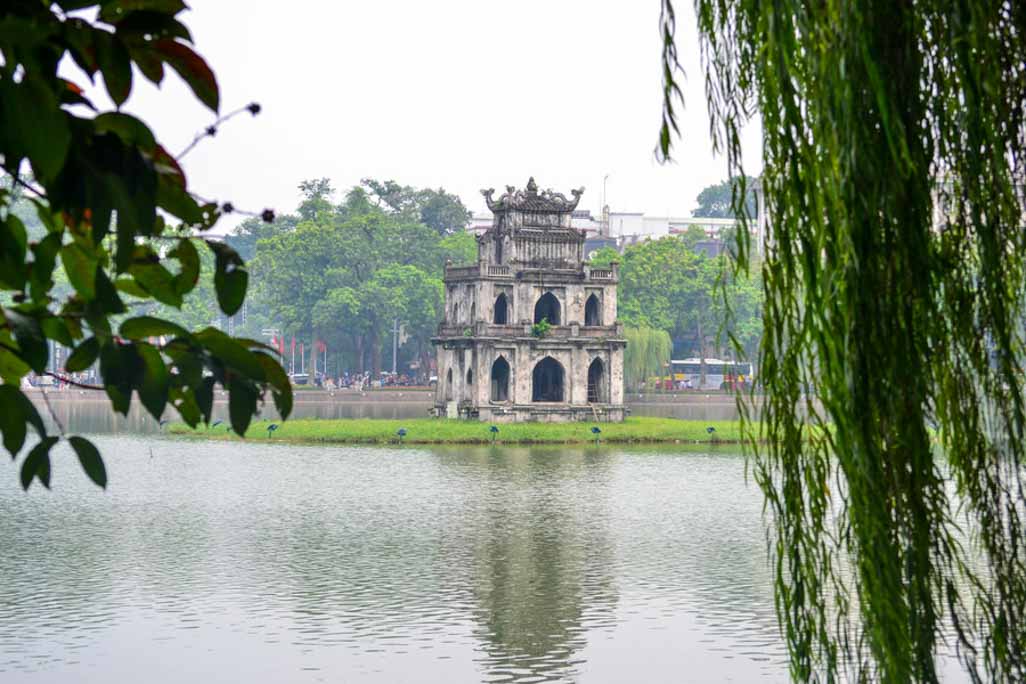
496 359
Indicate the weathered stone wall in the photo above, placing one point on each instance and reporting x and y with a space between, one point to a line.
531 251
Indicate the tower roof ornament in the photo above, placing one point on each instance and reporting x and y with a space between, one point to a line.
530 200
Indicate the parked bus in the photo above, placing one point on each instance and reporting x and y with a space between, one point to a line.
719 374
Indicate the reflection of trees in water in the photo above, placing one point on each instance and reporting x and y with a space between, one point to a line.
542 559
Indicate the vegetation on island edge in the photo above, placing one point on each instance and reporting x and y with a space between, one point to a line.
441 431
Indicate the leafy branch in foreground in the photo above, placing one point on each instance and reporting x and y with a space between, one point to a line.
894 143
102 186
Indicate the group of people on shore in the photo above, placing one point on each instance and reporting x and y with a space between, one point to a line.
365 380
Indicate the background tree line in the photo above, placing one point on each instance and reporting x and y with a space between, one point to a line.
678 301
341 271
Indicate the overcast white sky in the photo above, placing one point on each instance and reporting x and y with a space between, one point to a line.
460 94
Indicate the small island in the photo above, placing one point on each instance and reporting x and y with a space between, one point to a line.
641 430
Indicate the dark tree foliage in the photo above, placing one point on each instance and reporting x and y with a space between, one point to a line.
893 435
441 211
717 201
120 222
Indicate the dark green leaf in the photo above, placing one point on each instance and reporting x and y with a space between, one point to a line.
130 287
32 345
230 277
143 25
33 125
141 327
131 130
28 409
187 256
185 404
231 353
193 70
148 60
115 65
242 404
158 282
153 386
120 367
79 36
279 380
37 463
90 459
205 398
12 419
116 11
80 264
84 356
12 367
107 295
173 199
55 328
13 245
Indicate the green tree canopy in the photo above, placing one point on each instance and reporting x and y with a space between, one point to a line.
604 256
718 201
697 300
441 211
348 271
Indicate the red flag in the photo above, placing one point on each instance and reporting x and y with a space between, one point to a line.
281 346
293 344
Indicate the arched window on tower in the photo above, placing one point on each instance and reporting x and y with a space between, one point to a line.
547 381
547 308
592 312
448 385
597 382
498 250
501 311
500 380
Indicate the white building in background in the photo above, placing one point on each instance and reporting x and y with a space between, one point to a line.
625 228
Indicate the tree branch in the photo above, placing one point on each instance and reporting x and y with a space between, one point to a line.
18 181
73 383
53 414
211 130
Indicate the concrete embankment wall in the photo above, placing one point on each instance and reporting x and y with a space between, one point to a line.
89 411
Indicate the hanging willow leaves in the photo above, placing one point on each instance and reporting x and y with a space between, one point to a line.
894 145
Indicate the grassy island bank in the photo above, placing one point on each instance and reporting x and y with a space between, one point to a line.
439 431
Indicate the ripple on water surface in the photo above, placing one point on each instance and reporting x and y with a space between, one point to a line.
233 562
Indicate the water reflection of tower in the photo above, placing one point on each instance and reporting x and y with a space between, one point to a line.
543 573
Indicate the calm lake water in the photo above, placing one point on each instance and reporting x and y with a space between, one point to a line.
225 562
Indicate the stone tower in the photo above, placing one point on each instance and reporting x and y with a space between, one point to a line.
494 363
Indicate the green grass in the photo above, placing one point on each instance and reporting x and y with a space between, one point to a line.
441 431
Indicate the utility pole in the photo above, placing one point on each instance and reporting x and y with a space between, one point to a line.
605 208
